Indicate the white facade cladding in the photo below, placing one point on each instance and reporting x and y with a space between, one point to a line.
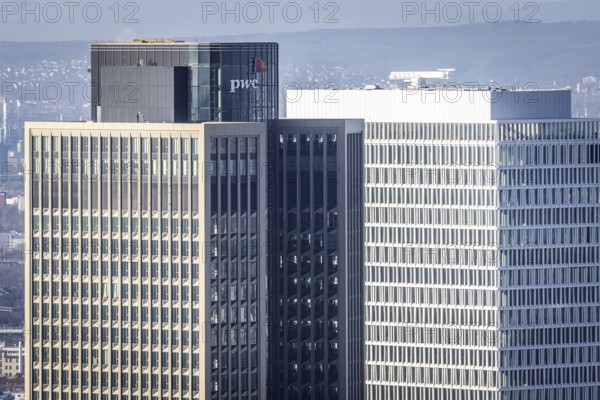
482 252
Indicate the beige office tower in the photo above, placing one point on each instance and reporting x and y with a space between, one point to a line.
144 277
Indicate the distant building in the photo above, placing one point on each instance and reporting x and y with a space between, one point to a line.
589 80
12 360
5 239
17 202
12 388
482 242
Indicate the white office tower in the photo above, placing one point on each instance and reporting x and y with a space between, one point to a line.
482 242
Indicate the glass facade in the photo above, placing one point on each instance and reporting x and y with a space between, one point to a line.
310 263
319 274
234 279
224 82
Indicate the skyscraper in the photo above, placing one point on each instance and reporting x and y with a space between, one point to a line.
482 241
174 81
144 278
316 340
193 326
157 262
239 82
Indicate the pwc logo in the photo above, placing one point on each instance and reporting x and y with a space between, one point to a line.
243 84
258 66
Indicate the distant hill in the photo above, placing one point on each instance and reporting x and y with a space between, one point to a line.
19 54
537 52
534 52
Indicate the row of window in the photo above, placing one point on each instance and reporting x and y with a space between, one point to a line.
473 174
144 145
542 214
533 297
572 315
454 336
454 253
451 236
424 155
133 270
536 176
560 131
440 215
535 238
588 215
80 358
393 294
452 315
104 224
583 375
542 357
433 197
549 154
468 176
434 356
416 131
122 195
457 254
133 248
86 313
123 381
431 376
114 291
399 391
397 276
571 197
549 276
451 175
133 171
71 338
530 254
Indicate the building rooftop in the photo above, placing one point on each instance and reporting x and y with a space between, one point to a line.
439 103
171 42
455 86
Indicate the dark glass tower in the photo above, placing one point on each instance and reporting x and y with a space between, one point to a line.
316 347
168 81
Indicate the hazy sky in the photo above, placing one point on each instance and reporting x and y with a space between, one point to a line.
125 20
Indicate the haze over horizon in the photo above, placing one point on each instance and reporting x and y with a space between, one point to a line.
124 21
